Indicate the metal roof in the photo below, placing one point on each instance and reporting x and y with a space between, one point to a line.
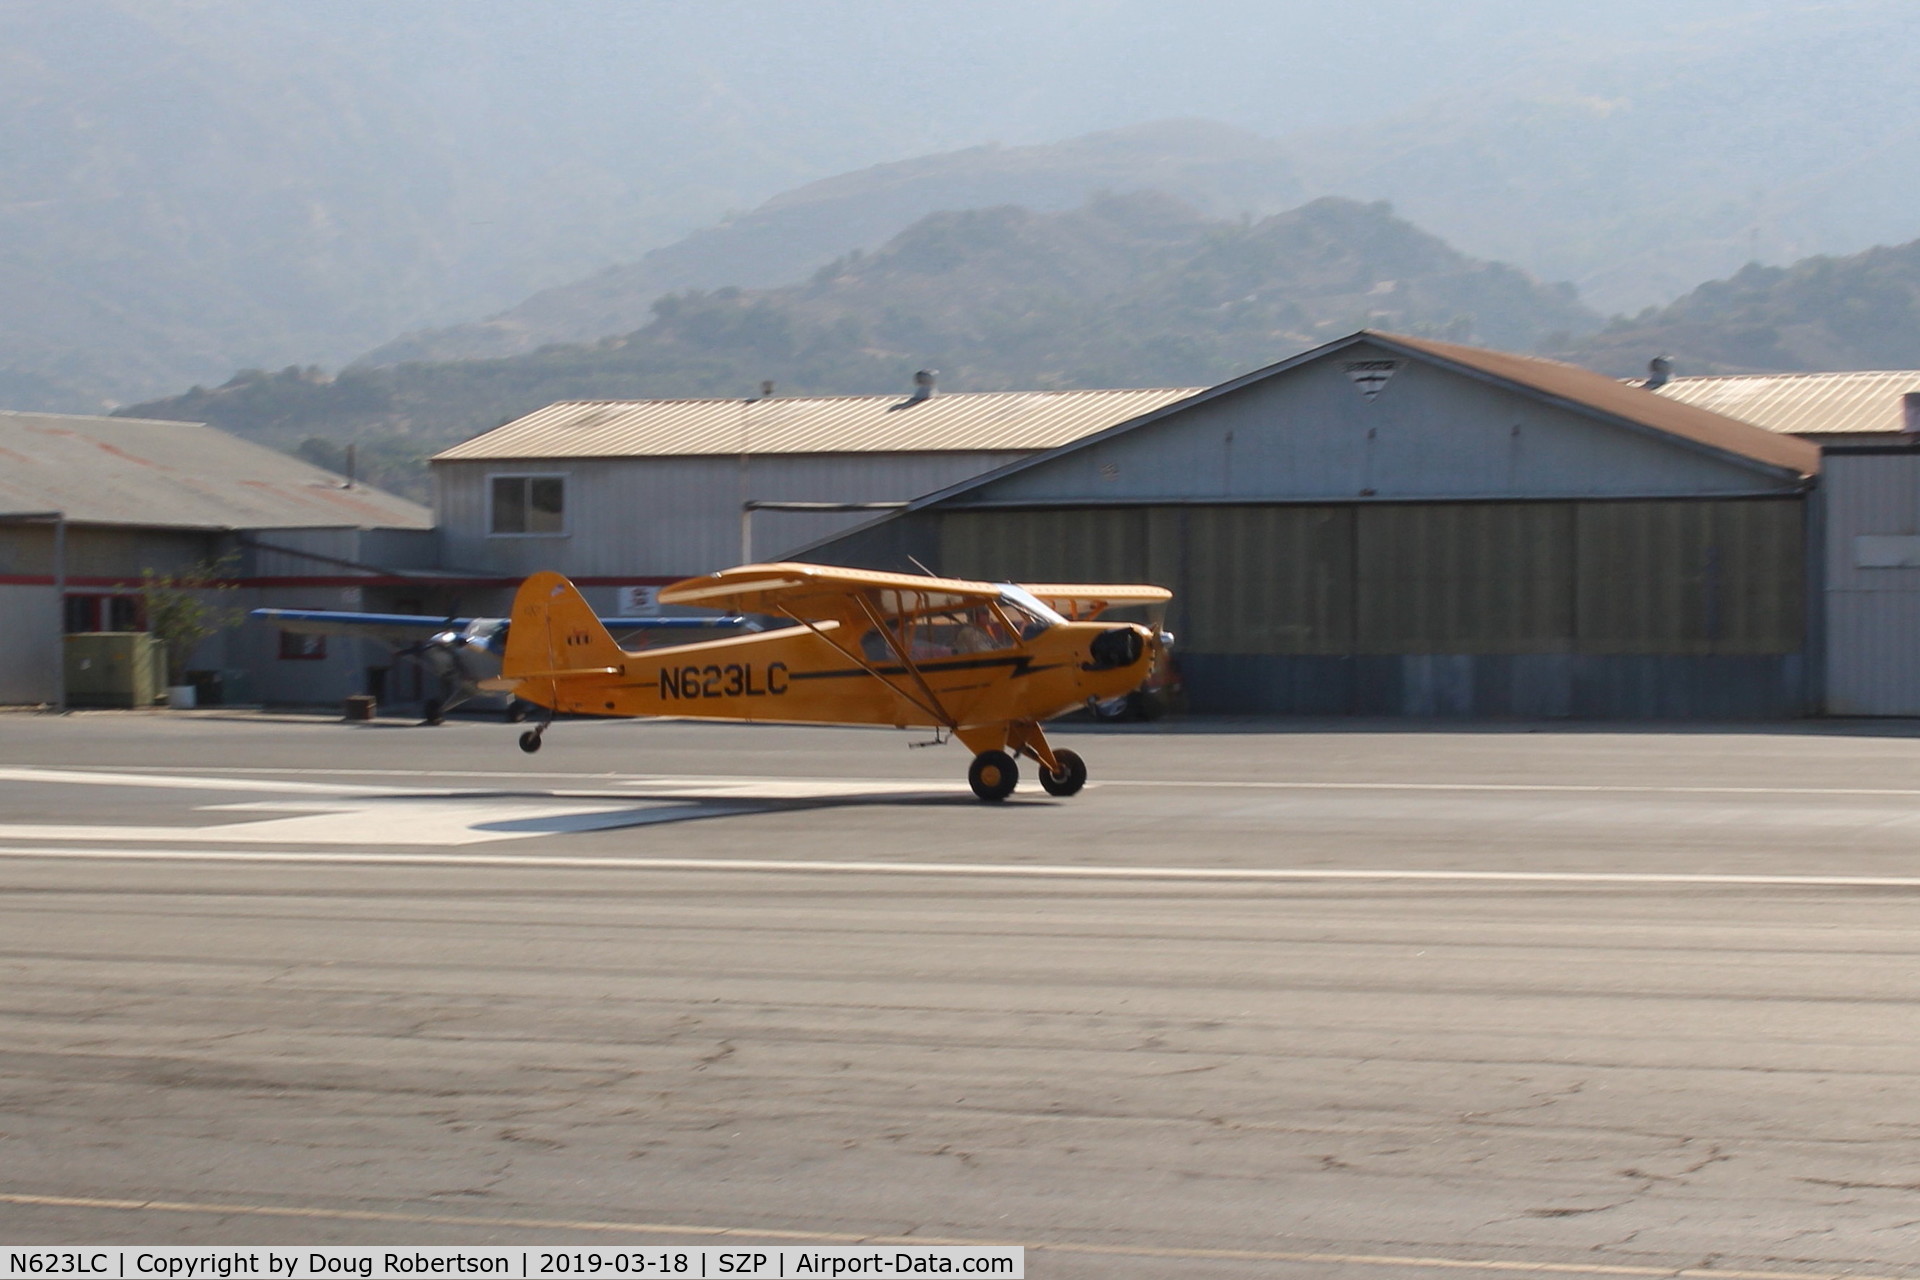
1672 416
1551 379
1804 403
948 422
145 472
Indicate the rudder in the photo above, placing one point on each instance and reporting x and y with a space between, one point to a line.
555 629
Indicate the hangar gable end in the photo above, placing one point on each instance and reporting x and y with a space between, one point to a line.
1376 418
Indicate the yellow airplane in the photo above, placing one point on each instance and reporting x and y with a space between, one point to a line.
982 662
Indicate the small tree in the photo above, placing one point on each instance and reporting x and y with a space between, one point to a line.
187 607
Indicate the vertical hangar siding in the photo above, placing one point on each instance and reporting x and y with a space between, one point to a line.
1397 526
1594 608
1872 566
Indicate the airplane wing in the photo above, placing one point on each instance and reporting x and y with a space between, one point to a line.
396 629
458 652
402 630
820 593
1085 601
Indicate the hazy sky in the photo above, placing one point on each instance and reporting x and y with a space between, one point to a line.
843 82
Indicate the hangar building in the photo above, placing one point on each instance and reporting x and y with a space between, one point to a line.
1867 424
122 495
1395 526
631 493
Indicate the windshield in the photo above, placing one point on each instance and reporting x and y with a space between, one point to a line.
1026 611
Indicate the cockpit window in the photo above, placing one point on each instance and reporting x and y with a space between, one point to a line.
939 635
1026 611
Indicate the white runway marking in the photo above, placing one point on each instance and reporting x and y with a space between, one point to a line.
1202 784
436 822
977 870
351 813
183 782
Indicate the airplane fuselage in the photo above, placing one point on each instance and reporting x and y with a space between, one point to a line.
823 675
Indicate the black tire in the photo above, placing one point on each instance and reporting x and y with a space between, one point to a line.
1072 775
433 711
993 775
530 741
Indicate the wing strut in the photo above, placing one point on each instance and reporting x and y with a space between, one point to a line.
900 651
932 706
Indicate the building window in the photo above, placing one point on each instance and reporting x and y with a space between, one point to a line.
528 505
105 613
296 647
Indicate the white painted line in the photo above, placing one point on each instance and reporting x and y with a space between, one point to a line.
728 787
435 821
1019 871
346 814
181 782
1546 787
1266 784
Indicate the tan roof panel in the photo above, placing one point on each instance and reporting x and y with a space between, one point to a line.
950 422
1627 403
140 471
1859 403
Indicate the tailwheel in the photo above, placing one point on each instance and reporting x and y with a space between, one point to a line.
993 775
1072 775
530 741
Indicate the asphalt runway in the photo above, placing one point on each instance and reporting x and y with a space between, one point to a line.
1267 999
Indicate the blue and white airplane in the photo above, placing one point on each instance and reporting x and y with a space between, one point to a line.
461 652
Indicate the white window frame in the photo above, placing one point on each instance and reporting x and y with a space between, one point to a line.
566 502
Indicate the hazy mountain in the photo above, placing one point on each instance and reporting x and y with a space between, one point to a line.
193 186
1857 312
1219 170
1633 167
1134 290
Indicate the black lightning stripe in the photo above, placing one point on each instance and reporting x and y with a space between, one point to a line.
1016 664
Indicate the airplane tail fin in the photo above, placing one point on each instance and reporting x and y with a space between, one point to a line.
556 633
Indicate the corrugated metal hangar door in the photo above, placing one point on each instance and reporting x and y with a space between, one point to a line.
1667 608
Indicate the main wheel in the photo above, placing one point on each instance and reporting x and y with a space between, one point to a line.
433 711
993 775
1072 775
530 741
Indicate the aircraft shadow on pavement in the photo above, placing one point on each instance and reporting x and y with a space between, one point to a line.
666 807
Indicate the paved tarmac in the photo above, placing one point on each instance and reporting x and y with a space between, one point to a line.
1268 999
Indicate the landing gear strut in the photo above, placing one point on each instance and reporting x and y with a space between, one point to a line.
995 774
530 740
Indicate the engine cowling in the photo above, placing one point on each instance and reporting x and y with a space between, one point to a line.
1114 648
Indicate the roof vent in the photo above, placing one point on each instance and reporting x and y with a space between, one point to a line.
1659 373
1910 412
922 391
